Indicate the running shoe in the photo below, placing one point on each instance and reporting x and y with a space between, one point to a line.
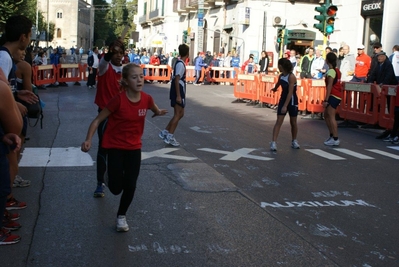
273 146
6 238
332 142
395 141
19 182
388 139
10 225
99 191
295 144
170 140
163 134
11 216
121 224
13 204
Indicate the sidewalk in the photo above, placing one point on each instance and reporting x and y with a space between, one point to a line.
184 213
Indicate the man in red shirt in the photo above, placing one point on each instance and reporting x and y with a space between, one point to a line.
362 66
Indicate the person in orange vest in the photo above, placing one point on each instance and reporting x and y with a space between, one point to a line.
362 65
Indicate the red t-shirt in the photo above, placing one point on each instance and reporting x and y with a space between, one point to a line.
126 122
107 86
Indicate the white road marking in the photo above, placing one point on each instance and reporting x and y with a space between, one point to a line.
324 154
384 153
393 147
237 154
352 153
162 153
54 157
198 129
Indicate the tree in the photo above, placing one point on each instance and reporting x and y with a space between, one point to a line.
7 9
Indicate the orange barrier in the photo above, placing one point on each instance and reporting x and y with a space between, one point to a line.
266 95
360 102
68 73
44 74
302 93
190 74
386 117
221 75
316 93
157 73
246 87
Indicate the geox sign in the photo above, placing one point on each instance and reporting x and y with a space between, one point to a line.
372 7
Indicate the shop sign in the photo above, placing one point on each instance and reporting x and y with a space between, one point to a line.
372 7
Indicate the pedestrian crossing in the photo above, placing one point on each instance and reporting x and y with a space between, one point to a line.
343 153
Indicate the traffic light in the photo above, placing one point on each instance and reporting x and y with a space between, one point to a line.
326 17
185 36
330 19
321 18
280 35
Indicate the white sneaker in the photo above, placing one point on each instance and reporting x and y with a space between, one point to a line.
295 144
328 139
121 224
163 134
332 142
170 140
273 146
19 182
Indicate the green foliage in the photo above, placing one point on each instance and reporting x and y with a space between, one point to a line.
7 9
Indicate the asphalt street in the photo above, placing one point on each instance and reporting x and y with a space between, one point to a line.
221 199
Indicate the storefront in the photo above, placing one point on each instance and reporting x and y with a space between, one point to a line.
372 12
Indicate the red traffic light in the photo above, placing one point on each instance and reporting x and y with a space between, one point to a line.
332 10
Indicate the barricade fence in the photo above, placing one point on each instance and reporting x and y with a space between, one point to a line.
360 102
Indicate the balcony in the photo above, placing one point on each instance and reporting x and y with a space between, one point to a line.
156 14
144 20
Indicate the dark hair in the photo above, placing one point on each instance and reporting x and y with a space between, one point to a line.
332 59
329 48
183 50
285 64
16 26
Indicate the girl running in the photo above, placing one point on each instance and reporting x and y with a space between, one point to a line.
126 114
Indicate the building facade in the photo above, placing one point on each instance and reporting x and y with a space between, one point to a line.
73 19
250 26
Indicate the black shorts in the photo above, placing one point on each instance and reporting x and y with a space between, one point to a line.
291 109
333 101
173 96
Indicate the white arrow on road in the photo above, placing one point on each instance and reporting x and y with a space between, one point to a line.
198 129
235 155
162 153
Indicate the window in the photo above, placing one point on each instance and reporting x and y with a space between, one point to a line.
59 15
58 33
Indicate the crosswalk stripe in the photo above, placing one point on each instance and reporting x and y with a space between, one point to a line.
393 147
324 154
387 154
352 153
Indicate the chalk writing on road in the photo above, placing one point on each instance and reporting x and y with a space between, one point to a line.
312 204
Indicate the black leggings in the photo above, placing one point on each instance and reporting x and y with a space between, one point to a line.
123 170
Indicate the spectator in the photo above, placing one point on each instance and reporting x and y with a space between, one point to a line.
63 71
54 60
340 57
362 65
293 58
93 63
306 63
235 63
251 67
317 68
394 58
145 60
199 64
347 67
264 63
377 47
